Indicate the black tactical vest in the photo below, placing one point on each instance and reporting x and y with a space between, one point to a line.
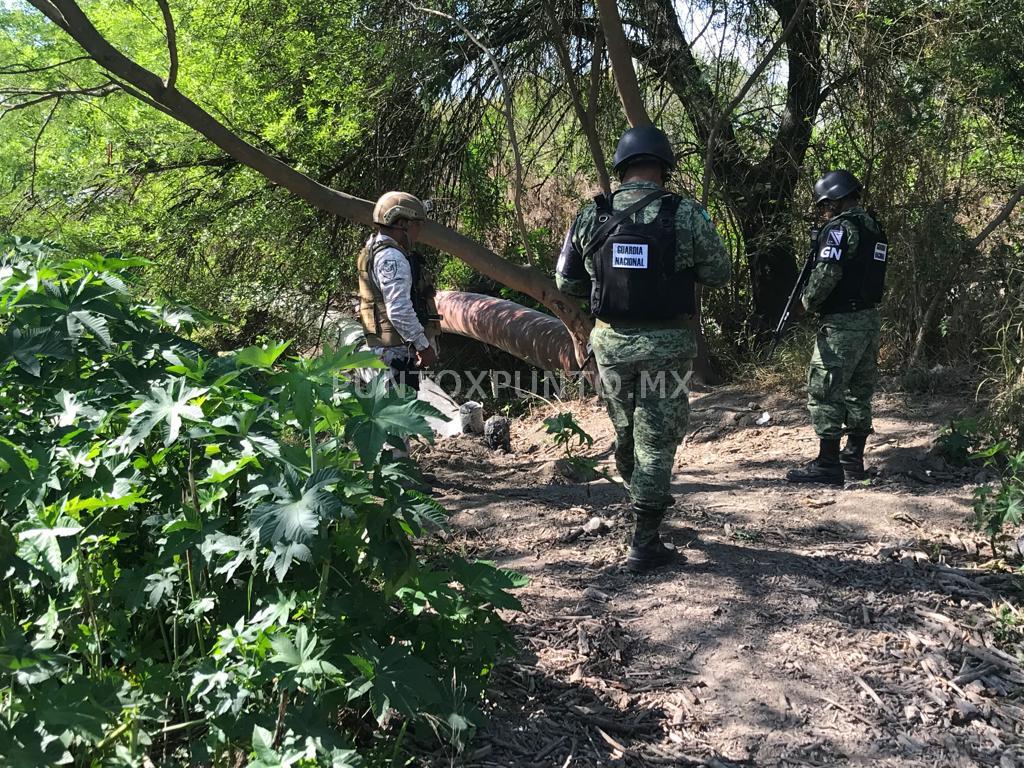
863 281
635 275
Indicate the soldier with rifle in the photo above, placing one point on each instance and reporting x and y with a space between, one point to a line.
844 285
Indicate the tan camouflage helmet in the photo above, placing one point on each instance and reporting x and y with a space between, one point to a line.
393 206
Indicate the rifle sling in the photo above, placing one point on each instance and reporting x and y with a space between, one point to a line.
617 218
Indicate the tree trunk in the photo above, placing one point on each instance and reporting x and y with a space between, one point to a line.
773 270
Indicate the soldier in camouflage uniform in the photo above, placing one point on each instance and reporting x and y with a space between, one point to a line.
638 256
845 287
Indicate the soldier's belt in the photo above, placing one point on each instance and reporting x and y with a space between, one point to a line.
683 321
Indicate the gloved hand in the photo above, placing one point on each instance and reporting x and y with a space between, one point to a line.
426 357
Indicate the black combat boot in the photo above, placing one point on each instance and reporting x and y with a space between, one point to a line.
825 469
852 458
647 550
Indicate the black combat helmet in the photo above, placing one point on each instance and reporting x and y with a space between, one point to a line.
835 185
644 140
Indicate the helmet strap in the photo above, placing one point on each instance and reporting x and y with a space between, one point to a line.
399 232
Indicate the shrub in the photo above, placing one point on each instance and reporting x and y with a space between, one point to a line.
208 559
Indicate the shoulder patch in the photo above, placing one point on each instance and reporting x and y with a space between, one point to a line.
835 236
388 268
704 213
830 253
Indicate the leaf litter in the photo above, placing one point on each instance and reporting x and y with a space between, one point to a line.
841 628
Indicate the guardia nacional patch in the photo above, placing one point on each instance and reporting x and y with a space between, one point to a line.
830 253
629 255
389 268
832 249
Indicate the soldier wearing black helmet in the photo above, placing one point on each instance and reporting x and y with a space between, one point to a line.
637 255
845 288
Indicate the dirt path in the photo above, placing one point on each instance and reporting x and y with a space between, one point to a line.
808 627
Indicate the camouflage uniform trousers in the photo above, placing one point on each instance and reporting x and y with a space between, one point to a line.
843 373
644 381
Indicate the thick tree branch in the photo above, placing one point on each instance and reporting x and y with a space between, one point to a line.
53 13
622 63
172 44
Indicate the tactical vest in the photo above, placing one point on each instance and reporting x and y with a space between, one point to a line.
372 309
863 281
635 275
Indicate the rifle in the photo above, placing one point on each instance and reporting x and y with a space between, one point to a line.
794 295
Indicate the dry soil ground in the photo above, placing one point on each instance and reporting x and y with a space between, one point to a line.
810 626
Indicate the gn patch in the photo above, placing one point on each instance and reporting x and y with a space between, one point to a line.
881 251
629 255
835 237
830 253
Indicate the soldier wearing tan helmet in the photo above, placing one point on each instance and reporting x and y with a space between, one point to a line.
396 299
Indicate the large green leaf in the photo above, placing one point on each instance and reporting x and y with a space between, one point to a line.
261 357
267 756
302 657
296 511
27 346
168 405
81 320
386 415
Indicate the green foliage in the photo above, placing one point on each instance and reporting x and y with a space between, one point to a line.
975 442
567 433
1000 506
959 443
571 437
1008 629
213 560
